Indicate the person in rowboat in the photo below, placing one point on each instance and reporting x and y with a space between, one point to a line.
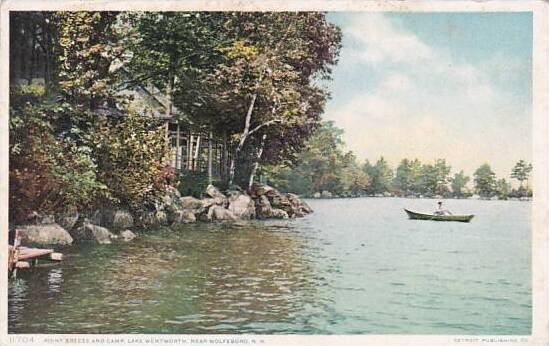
441 210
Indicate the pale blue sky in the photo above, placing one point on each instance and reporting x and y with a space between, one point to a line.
435 85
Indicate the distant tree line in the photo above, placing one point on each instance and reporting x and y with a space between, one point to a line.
324 168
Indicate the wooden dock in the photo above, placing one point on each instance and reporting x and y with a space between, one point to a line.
21 257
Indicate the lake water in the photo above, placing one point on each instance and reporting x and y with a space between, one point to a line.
355 266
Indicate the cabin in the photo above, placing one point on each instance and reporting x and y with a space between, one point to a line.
193 149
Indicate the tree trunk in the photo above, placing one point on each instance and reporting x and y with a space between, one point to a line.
210 179
169 92
196 152
256 163
224 157
190 153
243 138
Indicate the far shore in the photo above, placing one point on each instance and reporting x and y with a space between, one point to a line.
474 198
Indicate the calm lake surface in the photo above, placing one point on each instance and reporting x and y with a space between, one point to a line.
354 266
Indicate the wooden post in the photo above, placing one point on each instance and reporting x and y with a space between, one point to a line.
15 258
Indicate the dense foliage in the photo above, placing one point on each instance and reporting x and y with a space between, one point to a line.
322 166
47 173
64 154
131 156
251 77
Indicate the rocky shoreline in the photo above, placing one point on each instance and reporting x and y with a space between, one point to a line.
108 224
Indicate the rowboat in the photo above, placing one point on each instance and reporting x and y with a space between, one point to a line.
419 216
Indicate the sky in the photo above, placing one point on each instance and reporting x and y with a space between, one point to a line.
435 85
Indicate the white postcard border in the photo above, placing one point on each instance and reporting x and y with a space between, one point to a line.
540 205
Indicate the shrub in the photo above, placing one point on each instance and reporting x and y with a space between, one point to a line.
47 173
193 183
131 155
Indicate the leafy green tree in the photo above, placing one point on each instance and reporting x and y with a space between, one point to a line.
170 49
434 178
403 180
521 172
354 180
381 176
503 189
321 166
262 90
88 48
408 177
458 184
485 181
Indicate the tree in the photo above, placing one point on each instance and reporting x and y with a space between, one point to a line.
354 180
34 39
521 172
263 88
169 50
64 153
434 178
458 184
321 166
503 188
88 48
407 177
485 181
381 176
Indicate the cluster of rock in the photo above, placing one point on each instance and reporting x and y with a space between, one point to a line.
263 202
105 225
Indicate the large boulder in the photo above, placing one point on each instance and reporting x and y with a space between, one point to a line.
278 214
263 209
190 203
127 235
112 218
182 217
118 219
289 203
44 234
299 207
279 200
219 213
208 202
261 189
218 197
242 206
153 219
89 232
